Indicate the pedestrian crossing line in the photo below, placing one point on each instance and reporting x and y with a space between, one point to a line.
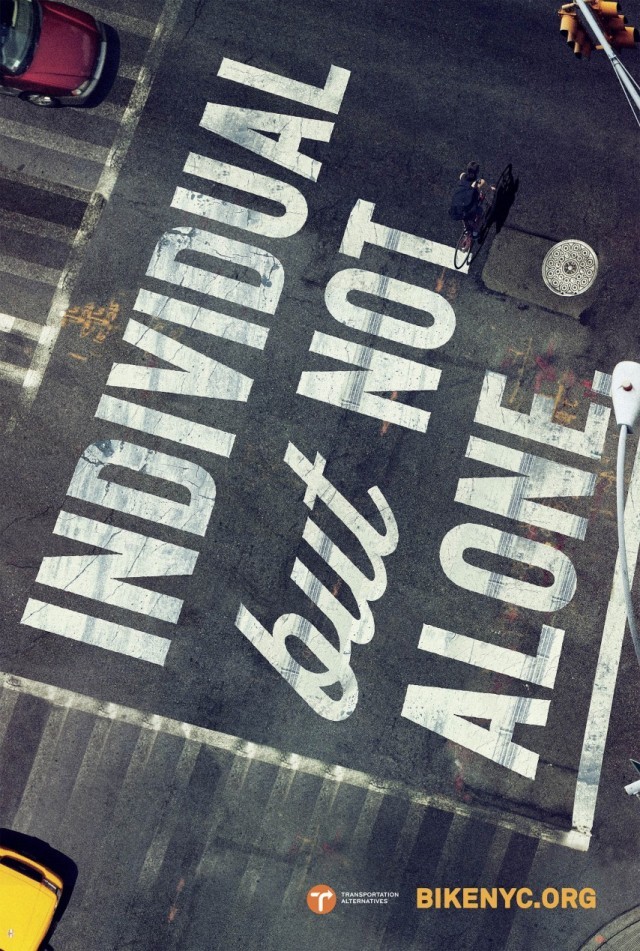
158 849
128 794
37 226
11 373
300 874
454 845
406 840
108 110
27 269
41 184
84 777
366 821
495 856
54 141
249 881
404 847
42 762
198 885
129 70
119 21
230 793
245 752
232 936
113 160
8 701
23 328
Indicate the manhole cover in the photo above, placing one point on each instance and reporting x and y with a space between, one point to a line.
570 268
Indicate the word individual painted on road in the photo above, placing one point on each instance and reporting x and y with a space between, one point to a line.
130 554
362 383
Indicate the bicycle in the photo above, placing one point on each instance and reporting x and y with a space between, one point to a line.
464 252
466 246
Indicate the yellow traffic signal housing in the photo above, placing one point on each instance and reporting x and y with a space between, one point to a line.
572 30
614 24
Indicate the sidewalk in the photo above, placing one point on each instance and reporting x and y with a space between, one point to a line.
622 934
514 267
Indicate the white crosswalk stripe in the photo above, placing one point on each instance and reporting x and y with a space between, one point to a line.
125 858
30 135
44 157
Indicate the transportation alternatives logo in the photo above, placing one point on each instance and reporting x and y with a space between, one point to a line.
321 899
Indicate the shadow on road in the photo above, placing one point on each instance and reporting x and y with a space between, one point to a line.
504 197
110 69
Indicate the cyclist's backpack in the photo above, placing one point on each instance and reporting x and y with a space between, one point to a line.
463 202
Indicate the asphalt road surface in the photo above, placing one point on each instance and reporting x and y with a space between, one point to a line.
309 538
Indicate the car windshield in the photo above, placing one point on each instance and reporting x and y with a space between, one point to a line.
17 34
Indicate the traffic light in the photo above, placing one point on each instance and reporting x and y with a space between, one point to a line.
611 21
614 24
573 31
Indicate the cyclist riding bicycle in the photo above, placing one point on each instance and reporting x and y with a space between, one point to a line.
467 199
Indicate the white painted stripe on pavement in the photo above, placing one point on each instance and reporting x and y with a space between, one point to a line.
91 630
366 820
108 178
123 816
41 184
228 793
158 849
110 111
12 373
27 269
25 328
8 701
37 226
495 856
262 846
84 780
267 754
129 70
38 780
56 141
300 873
586 795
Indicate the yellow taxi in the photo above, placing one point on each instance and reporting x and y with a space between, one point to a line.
29 894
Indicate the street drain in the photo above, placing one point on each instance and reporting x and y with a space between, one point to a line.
570 268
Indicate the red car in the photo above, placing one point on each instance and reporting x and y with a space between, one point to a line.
49 53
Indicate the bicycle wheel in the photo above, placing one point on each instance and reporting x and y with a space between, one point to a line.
464 249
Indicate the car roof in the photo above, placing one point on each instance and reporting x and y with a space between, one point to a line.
26 908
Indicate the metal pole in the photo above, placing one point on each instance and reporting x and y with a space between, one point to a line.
615 62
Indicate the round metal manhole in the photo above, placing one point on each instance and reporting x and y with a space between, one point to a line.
570 268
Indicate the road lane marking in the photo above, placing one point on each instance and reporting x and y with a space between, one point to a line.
599 715
245 750
27 269
160 843
12 373
111 111
38 777
113 162
223 794
56 141
129 70
55 188
38 226
8 700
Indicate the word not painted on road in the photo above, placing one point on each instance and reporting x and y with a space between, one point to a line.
474 556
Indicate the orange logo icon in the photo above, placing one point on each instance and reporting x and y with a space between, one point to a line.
321 899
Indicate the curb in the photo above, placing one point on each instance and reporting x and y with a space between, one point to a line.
621 934
514 268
